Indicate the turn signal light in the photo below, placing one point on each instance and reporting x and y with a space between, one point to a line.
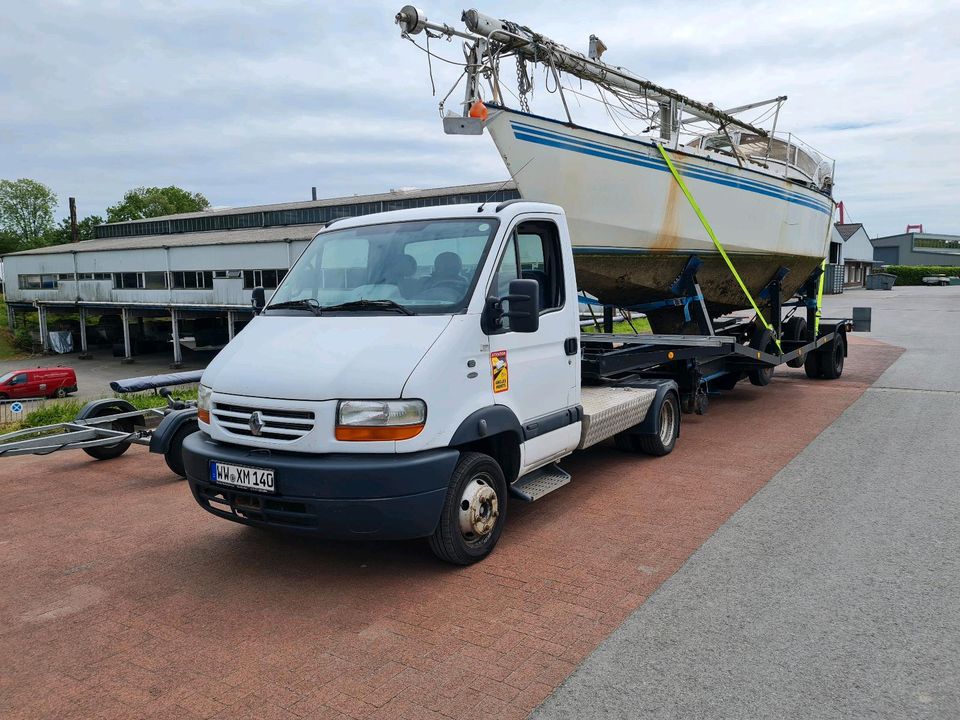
386 432
203 415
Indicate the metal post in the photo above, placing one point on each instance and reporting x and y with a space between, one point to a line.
44 338
127 354
11 318
608 318
84 354
177 352
230 318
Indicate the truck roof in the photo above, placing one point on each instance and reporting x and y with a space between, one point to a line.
509 209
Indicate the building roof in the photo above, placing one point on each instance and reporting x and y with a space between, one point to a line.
146 242
267 223
402 193
846 230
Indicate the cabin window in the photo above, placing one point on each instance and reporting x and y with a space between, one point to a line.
532 253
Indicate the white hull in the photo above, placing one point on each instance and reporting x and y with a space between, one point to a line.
618 193
633 230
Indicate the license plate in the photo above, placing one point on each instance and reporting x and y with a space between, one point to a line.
251 478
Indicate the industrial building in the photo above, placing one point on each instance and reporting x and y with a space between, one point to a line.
186 279
917 248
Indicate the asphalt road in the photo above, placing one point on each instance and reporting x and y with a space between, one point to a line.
835 591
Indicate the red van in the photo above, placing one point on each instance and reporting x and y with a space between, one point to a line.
39 382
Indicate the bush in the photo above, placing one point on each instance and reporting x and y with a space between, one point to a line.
914 274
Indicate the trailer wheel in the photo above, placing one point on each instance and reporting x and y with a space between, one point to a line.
108 452
795 329
761 376
173 457
473 512
811 365
831 358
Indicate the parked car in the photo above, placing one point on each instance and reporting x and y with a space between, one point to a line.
39 382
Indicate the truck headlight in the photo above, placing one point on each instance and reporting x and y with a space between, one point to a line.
380 419
204 395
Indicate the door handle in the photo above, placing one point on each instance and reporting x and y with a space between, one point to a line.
570 346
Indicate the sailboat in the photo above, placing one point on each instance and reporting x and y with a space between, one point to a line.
766 195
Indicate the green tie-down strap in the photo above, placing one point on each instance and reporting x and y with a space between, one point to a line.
716 242
816 322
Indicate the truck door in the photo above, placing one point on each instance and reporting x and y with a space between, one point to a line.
535 374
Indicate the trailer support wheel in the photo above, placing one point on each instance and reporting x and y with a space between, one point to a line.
473 512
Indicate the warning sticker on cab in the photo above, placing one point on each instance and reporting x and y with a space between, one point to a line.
501 377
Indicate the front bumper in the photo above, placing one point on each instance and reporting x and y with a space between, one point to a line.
337 496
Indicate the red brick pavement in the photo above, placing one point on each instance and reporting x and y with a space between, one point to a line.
123 599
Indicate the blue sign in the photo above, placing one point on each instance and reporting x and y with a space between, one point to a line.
16 408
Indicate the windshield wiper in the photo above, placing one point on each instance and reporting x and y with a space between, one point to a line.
371 305
305 304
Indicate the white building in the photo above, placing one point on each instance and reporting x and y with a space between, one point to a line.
196 271
851 254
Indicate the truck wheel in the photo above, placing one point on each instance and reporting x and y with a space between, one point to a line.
795 329
473 512
108 452
60 393
831 358
173 457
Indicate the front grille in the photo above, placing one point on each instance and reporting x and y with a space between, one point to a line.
288 425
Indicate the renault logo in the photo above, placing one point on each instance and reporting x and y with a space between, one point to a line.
256 422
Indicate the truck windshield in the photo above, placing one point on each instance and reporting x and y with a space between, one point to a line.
424 266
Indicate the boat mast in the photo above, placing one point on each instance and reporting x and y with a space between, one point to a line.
494 38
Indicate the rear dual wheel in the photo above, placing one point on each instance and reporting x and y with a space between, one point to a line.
658 443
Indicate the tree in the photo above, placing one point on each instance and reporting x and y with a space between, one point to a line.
145 202
61 234
26 210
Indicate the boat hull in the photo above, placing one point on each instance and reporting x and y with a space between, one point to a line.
633 230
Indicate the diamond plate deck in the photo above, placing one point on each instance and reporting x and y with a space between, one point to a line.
610 410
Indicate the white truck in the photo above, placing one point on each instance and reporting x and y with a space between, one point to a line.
414 370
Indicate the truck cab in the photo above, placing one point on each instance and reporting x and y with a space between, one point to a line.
413 369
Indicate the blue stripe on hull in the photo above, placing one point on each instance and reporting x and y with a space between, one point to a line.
540 136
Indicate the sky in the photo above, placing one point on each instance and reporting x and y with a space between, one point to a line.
253 103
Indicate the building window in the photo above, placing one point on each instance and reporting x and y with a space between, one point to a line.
155 281
95 276
263 278
128 281
66 277
192 279
37 282
227 274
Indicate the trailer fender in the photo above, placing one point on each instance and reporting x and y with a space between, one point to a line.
99 408
485 422
168 427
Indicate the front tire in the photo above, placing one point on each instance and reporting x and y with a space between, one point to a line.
473 512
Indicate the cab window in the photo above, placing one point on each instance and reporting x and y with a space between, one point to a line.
532 253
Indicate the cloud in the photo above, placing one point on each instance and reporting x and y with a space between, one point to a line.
257 102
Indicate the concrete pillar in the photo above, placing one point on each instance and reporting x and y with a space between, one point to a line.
11 318
84 354
230 319
44 337
128 355
177 351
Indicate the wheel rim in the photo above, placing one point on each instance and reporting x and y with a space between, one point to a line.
479 509
667 421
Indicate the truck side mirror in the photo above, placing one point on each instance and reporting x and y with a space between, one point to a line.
524 300
258 300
